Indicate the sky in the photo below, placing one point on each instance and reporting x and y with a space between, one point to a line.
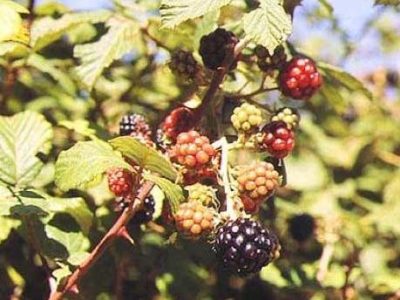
352 15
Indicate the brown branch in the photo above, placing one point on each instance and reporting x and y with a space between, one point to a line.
31 17
114 232
218 78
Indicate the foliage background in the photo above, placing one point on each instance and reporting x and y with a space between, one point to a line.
345 170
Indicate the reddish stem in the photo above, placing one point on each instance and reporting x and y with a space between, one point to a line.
110 236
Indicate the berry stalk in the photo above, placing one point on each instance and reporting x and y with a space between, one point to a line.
117 230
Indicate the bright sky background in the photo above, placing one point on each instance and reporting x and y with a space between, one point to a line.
352 15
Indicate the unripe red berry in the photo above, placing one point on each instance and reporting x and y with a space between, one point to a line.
300 78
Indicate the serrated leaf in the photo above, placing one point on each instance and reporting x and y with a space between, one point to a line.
342 79
83 165
174 12
121 37
45 65
22 138
144 156
269 25
172 191
47 30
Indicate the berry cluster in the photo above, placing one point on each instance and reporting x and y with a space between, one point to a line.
247 117
300 78
179 120
244 246
288 115
215 47
256 182
219 195
278 139
120 181
201 193
145 214
194 220
135 125
192 149
267 62
184 65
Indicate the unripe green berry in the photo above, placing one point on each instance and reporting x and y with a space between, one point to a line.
247 117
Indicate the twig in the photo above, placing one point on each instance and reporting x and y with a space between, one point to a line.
31 17
115 231
159 43
218 78
252 94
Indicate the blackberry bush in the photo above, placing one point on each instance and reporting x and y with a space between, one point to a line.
244 246
135 125
246 118
66 76
278 139
120 181
288 115
215 47
192 150
300 78
267 62
194 220
184 65
179 120
256 183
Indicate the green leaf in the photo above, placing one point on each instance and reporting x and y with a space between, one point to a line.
174 12
80 126
45 65
121 37
75 207
33 202
15 49
22 137
75 243
83 165
342 79
268 25
47 30
172 191
11 21
388 2
144 156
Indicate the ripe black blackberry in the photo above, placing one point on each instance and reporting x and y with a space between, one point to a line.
267 62
184 65
215 46
145 215
135 125
245 247
301 227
